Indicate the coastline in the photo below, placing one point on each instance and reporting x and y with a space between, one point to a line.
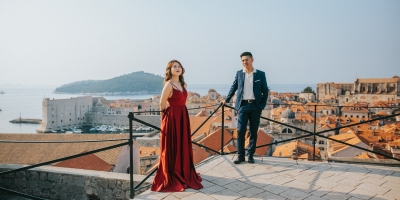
26 101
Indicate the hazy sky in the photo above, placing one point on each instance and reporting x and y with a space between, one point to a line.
58 42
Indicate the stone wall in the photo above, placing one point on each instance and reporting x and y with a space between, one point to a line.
146 162
65 183
64 113
148 142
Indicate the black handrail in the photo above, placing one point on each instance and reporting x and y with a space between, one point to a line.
315 129
223 129
314 133
132 192
55 141
143 122
198 128
130 142
158 111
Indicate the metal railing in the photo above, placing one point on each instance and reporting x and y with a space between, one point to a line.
130 142
131 117
313 134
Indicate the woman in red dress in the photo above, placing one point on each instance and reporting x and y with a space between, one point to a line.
176 170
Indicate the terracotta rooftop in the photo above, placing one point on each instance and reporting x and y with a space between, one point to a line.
199 154
89 162
229 148
196 122
262 138
350 138
364 155
286 150
213 140
33 153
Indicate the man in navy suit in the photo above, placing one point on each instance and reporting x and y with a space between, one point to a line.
251 98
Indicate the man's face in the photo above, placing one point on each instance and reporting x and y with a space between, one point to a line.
247 61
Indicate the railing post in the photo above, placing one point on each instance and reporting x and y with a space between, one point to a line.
315 126
132 195
223 129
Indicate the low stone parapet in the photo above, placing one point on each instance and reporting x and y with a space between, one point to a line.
65 183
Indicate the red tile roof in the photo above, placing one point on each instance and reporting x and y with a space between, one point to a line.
262 138
90 162
199 154
213 140
229 148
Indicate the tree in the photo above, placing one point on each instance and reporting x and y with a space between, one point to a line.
308 89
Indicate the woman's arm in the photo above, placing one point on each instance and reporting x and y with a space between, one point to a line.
166 93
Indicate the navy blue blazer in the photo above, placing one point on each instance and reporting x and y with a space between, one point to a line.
260 89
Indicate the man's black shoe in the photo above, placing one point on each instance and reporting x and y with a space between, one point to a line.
251 159
239 160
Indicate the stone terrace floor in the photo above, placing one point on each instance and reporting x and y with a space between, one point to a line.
279 178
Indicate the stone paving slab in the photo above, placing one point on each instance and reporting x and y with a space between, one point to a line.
280 178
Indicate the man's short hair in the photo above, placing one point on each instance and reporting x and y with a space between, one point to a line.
246 54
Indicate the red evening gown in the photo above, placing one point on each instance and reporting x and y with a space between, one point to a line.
176 170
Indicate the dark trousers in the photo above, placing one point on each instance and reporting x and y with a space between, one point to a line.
248 112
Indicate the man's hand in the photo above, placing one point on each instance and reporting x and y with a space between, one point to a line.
223 102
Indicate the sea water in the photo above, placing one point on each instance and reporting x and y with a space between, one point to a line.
26 102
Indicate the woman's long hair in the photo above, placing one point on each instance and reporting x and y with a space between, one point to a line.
168 74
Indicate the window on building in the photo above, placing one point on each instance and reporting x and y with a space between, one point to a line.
69 119
351 116
52 122
345 115
357 116
61 120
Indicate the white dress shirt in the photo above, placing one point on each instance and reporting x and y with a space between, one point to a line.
248 85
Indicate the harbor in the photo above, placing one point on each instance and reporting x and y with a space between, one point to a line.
138 131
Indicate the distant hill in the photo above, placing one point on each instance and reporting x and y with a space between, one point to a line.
134 83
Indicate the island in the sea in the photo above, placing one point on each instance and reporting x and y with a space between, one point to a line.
133 83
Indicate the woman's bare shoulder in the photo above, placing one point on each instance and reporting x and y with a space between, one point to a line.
167 85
